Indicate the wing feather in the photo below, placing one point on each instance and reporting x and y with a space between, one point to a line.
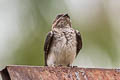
47 45
79 41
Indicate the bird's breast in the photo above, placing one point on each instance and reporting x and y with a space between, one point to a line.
64 47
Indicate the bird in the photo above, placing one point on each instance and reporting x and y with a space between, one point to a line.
62 43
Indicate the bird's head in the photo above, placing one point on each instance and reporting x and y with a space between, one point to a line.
61 21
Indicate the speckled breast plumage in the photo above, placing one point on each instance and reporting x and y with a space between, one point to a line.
63 48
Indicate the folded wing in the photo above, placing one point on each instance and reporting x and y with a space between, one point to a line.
79 41
47 45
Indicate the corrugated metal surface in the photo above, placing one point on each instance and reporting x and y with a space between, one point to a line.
58 73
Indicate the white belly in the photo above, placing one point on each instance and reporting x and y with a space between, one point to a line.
62 53
66 55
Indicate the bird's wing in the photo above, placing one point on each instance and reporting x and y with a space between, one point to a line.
79 41
47 45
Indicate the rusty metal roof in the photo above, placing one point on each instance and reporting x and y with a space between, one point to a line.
58 73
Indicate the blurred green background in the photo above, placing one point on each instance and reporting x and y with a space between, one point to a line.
25 23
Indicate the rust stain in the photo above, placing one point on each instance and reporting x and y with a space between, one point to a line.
58 73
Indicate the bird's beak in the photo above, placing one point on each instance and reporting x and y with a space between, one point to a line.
66 15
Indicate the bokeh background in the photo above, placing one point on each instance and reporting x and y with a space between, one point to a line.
25 23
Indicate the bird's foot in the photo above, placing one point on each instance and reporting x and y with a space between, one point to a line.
74 66
60 65
71 66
